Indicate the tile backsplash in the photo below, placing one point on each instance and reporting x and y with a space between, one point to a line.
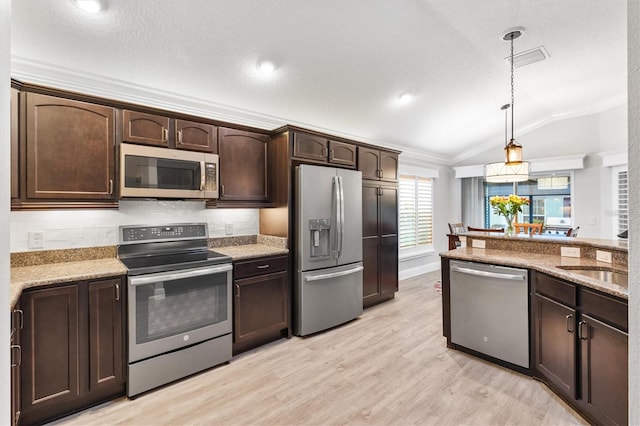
93 228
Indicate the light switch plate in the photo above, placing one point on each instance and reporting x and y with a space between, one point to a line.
603 256
570 251
478 243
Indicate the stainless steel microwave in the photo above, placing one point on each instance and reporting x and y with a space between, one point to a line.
153 172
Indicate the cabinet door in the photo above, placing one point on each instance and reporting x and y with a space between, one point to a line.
371 274
15 177
143 128
70 149
604 371
50 344
370 209
106 353
388 210
195 136
342 153
260 305
310 147
368 162
555 344
388 166
243 165
17 319
388 264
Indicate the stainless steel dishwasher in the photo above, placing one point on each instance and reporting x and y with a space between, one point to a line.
490 310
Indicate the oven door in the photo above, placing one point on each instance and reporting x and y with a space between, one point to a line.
175 309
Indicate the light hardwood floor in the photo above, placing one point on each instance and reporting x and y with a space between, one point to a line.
389 367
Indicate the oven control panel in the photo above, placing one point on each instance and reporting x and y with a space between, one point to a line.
166 232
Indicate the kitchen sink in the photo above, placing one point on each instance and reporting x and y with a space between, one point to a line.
600 273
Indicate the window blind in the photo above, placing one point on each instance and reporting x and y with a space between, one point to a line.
622 199
415 211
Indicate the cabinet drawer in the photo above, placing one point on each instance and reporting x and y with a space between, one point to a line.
605 308
556 289
259 266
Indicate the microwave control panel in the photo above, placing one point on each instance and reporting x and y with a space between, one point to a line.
210 181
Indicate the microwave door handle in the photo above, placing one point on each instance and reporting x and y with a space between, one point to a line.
203 175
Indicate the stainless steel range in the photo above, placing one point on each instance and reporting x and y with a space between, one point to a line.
179 303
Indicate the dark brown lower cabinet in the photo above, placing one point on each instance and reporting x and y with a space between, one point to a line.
261 302
604 371
581 352
555 355
72 348
17 320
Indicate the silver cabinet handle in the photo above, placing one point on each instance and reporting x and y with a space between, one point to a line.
511 277
117 291
332 154
581 333
570 323
334 275
21 316
237 290
179 137
154 278
19 348
262 266
110 186
221 190
165 134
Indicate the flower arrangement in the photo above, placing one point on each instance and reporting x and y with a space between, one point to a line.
508 207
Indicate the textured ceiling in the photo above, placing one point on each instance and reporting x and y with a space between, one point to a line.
341 64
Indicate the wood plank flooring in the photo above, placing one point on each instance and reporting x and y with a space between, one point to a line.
389 367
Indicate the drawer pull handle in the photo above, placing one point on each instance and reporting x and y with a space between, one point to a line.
262 266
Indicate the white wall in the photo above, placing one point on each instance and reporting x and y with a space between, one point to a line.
633 16
94 228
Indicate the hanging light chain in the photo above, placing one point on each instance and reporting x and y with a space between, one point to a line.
512 36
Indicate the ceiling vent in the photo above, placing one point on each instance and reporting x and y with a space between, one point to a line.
530 56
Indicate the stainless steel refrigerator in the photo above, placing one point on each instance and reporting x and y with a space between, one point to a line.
328 281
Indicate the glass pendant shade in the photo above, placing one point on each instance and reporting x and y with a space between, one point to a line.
513 153
503 172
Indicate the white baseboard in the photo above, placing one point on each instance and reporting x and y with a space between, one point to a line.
423 269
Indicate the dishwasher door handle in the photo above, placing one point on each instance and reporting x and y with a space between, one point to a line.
498 275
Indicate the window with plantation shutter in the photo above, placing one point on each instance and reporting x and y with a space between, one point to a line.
621 199
415 208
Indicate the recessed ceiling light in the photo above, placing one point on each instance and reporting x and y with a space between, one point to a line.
405 98
266 67
91 6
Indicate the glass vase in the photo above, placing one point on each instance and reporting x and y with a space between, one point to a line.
508 230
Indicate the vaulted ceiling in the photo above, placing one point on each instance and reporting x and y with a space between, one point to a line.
342 64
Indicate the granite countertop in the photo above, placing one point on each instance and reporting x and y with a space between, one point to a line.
23 277
621 245
546 263
248 251
39 268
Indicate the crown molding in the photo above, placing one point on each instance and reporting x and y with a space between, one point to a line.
614 157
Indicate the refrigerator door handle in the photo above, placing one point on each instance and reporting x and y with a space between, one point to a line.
334 274
341 215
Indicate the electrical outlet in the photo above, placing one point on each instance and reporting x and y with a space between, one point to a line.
228 229
478 243
35 240
603 256
570 251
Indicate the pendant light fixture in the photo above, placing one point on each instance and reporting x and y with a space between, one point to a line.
514 169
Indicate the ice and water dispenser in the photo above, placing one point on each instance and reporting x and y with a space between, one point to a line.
320 237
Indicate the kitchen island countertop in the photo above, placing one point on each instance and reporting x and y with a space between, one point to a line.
546 263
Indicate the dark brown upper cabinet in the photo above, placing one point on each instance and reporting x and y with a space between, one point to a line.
320 149
69 149
243 165
143 128
15 178
378 164
194 136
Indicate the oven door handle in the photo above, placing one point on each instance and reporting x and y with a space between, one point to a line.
154 278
